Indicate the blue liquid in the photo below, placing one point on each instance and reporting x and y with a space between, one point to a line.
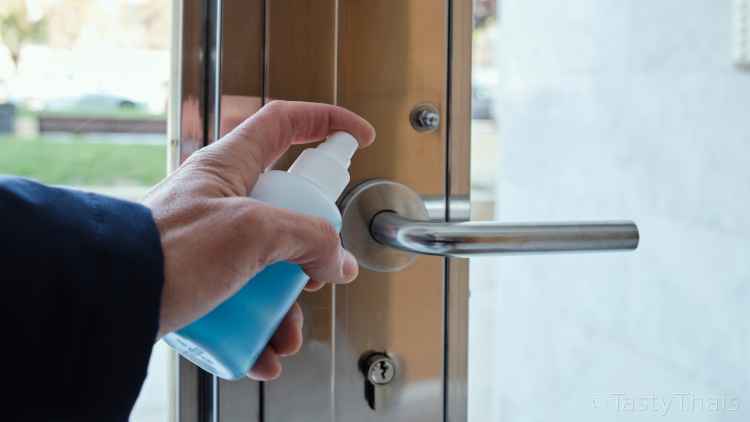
228 340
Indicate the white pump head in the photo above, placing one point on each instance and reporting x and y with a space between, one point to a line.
327 165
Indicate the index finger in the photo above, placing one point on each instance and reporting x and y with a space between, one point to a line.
262 138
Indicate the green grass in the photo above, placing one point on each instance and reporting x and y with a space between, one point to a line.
82 162
22 111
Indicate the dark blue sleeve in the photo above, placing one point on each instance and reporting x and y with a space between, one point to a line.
82 276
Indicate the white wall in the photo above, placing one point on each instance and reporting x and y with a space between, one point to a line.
619 109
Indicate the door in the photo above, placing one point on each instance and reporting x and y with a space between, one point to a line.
382 60
392 346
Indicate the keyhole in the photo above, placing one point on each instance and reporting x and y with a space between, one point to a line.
383 370
370 394
378 370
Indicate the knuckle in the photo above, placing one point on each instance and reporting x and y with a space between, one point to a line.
252 217
195 159
275 106
329 237
256 220
208 159
256 230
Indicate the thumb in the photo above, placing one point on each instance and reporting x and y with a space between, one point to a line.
260 140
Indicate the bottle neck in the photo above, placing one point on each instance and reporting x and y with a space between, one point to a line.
321 170
327 166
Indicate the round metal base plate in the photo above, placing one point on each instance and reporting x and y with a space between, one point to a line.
360 205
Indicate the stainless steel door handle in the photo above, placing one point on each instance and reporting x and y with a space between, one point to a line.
491 237
385 224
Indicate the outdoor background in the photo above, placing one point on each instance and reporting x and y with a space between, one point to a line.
83 87
83 96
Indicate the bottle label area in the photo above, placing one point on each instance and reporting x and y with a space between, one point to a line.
197 355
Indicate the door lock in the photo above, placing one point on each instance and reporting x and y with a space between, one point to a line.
379 370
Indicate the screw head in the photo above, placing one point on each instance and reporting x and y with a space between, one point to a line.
425 118
380 369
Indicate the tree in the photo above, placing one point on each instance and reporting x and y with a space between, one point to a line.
17 29
153 19
65 19
484 12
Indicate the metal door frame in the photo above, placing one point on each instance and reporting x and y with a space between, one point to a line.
196 120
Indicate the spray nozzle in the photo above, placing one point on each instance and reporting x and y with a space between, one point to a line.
327 165
341 146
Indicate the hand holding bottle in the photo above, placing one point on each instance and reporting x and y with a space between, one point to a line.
215 238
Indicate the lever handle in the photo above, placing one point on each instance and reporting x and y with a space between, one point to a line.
385 224
494 238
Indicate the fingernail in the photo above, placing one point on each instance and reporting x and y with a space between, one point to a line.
350 269
374 133
298 317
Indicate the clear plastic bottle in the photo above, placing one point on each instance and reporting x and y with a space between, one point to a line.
228 340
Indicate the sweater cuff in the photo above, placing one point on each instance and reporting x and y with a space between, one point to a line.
131 264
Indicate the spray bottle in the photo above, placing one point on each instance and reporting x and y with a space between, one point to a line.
228 340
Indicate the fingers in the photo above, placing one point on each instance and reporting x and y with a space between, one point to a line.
267 367
288 337
286 341
313 244
262 138
314 285
308 241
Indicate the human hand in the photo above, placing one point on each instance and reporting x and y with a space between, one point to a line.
215 238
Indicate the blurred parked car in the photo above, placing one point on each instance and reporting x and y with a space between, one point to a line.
7 117
482 106
96 104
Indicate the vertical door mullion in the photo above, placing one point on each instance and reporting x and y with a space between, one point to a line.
392 59
301 65
207 383
458 188
239 85
192 136
200 110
